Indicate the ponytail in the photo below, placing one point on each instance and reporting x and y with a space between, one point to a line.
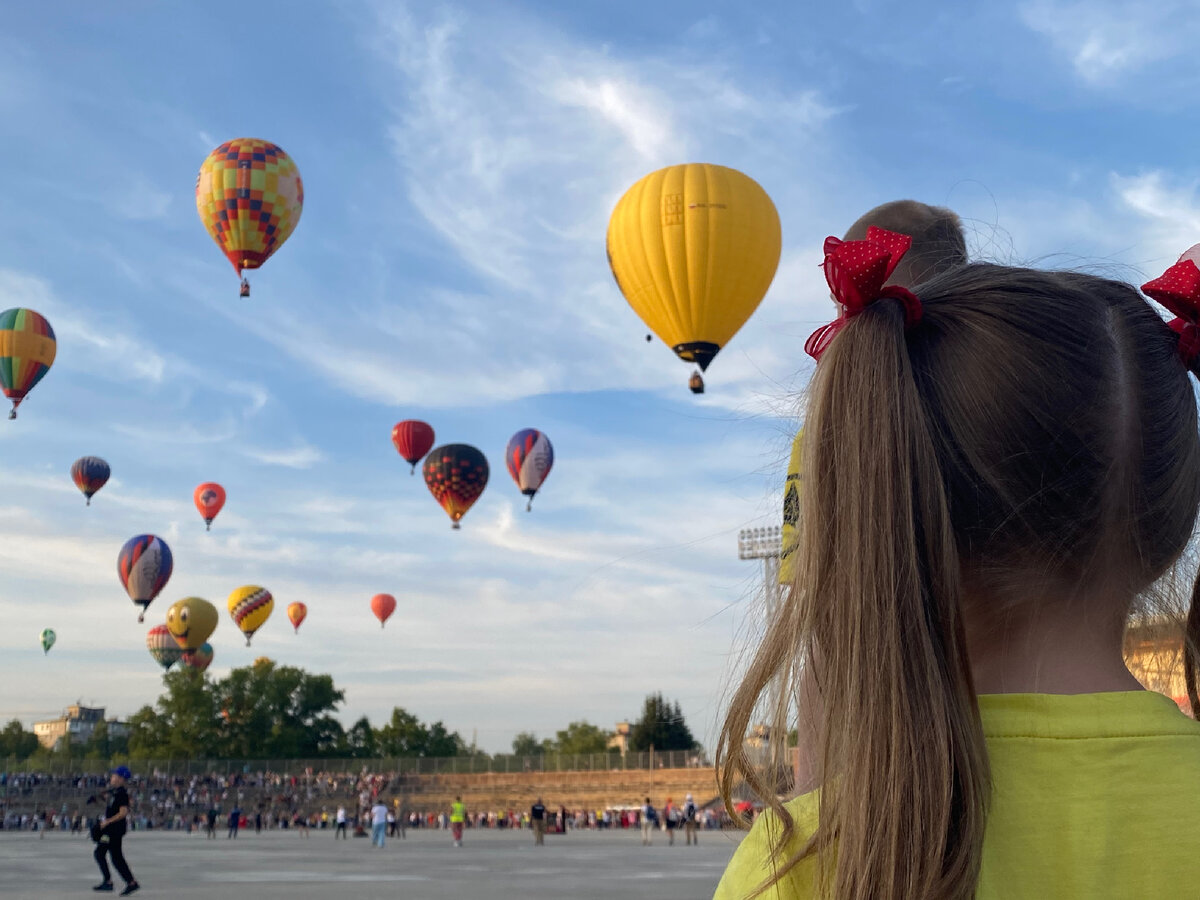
876 607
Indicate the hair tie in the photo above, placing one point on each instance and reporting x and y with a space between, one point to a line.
1178 289
856 272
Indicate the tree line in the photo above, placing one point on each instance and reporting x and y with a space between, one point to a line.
268 711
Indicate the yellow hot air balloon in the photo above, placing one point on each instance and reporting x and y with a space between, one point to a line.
191 621
791 510
693 249
250 607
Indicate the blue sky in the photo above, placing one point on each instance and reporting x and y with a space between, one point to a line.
460 161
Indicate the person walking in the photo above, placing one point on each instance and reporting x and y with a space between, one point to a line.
458 819
537 816
211 822
690 813
341 824
235 821
649 820
110 831
379 821
671 815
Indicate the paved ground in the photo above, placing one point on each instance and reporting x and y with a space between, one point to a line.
582 866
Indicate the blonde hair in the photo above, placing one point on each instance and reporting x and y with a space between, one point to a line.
1036 428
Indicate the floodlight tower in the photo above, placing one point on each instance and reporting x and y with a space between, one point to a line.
765 544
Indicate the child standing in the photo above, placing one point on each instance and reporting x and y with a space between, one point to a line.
995 470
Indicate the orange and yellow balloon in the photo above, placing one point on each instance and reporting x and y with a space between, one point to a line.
27 349
297 612
250 606
693 249
249 196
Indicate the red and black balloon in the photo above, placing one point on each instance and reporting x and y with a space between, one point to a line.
456 475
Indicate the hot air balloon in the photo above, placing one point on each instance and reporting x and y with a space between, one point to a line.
191 622
694 248
199 658
90 473
529 456
209 499
456 475
250 607
27 348
48 638
249 196
162 646
413 440
144 565
791 511
297 612
383 605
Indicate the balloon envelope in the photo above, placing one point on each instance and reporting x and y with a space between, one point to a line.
162 646
456 475
413 439
144 565
27 349
296 614
383 605
529 456
209 499
250 606
249 196
191 621
200 658
48 637
694 248
90 473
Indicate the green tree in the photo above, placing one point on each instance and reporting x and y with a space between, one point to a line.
526 744
661 726
16 742
360 740
444 743
582 737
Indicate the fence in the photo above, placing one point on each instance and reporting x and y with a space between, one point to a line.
453 765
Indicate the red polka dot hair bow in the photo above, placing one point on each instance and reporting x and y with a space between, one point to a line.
856 272
1178 289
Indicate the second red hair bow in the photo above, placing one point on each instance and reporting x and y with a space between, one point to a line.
1178 289
857 272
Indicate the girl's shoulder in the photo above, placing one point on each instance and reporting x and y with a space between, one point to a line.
759 855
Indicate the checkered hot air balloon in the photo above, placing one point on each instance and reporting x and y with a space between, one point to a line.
249 196
144 565
27 348
529 457
456 475
90 473
250 606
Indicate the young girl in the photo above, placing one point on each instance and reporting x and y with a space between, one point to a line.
995 470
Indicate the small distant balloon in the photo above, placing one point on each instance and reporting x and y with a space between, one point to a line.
144 566
529 456
456 475
383 605
48 639
162 646
209 498
90 473
27 349
200 659
191 621
250 606
297 612
413 439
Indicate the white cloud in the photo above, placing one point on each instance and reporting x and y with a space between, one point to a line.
1104 40
301 456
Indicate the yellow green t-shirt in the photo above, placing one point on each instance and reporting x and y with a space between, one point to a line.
1094 796
458 812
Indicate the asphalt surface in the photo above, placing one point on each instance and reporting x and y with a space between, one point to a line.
579 865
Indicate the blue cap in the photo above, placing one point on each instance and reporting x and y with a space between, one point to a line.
123 771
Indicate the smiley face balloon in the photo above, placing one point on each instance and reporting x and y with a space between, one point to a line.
191 621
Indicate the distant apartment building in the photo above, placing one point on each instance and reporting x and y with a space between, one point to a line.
76 724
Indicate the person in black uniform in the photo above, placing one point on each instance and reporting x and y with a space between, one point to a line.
111 831
537 817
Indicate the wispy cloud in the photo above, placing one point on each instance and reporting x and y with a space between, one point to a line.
302 456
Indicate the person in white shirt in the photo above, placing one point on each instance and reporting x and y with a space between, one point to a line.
341 823
379 817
